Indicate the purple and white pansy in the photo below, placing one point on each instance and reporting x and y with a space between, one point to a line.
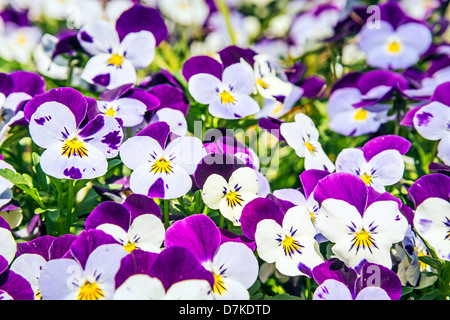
363 224
72 151
378 163
359 103
233 264
430 194
397 41
161 168
118 51
370 282
227 93
284 238
135 223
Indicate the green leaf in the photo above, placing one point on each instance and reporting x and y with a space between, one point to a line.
284 296
406 290
432 262
23 182
53 214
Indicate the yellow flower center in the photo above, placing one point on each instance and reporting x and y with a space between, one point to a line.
262 83
129 247
90 291
366 178
233 199
361 114
310 147
115 60
73 147
363 239
394 47
290 246
219 286
226 97
110 112
161 166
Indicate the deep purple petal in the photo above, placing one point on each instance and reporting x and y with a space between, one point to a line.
139 18
66 96
375 196
157 130
228 236
349 80
38 246
310 178
337 270
257 210
4 224
28 82
272 126
16 286
376 78
150 100
138 204
314 87
386 142
442 93
109 212
202 64
393 13
379 276
198 233
342 186
60 247
408 119
137 262
435 185
233 54
87 241
170 97
177 264
157 189
6 84
284 205
222 164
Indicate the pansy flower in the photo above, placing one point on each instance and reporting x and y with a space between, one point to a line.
378 163
227 93
127 104
87 272
430 194
14 287
230 196
233 264
286 239
118 52
72 151
432 121
33 255
303 136
135 223
173 274
397 42
359 102
371 282
161 168
362 223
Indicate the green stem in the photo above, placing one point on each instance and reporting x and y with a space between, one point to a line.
70 202
221 222
226 14
166 214
308 288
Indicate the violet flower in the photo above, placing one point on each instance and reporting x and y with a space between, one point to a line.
378 163
233 264
371 282
362 223
71 151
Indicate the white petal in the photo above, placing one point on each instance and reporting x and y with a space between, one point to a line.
174 118
240 76
332 289
431 120
114 230
372 293
139 48
8 245
213 190
140 287
246 179
148 232
50 122
186 152
103 35
189 290
29 266
204 87
389 167
61 279
139 150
